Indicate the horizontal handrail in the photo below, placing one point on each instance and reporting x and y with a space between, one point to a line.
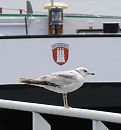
62 111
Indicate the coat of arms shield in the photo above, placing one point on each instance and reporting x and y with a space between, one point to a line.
60 53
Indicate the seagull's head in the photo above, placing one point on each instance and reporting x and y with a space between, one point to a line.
83 71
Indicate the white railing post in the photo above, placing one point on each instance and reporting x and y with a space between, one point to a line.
98 125
94 125
39 123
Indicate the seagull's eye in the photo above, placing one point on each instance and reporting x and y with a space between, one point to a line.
85 71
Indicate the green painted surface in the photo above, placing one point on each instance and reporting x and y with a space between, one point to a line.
66 16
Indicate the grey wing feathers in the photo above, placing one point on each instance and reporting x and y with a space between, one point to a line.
55 79
28 81
62 78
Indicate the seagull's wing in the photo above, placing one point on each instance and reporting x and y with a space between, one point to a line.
54 79
62 78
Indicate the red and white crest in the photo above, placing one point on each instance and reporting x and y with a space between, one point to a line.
60 53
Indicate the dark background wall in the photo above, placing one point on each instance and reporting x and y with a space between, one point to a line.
88 96
15 120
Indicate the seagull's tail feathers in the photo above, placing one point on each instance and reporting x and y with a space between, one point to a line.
28 81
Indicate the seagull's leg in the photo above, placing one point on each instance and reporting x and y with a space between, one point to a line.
65 101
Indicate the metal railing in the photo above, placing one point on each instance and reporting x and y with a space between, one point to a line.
62 111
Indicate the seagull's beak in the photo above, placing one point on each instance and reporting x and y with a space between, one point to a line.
91 73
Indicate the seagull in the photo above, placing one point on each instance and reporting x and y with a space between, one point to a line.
61 82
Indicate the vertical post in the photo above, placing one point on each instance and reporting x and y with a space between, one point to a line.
98 125
26 26
51 3
20 11
94 124
39 123
0 10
